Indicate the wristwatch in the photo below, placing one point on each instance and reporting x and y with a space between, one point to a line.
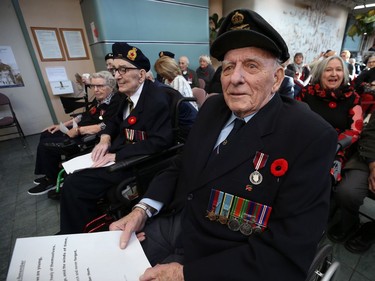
102 126
145 207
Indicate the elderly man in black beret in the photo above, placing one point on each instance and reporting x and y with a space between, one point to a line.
249 197
142 126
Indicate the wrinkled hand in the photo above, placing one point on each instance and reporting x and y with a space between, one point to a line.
52 129
371 177
109 157
164 272
133 222
99 151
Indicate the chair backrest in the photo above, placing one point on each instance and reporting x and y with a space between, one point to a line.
200 95
4 99
71 104
202 83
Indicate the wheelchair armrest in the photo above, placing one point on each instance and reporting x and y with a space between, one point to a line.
128 163
89 138
137 160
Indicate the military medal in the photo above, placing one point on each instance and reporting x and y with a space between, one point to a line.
234 223
259 161
239 214
256 177
214 204
246 228
224 212
102 111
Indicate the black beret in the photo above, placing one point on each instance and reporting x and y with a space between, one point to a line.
108 56
131 54
166 53
245 28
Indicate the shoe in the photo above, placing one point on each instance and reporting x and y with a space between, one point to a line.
338 235
40 180
53 194
362 240
42 188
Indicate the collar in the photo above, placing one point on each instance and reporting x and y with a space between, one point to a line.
107 100
135 97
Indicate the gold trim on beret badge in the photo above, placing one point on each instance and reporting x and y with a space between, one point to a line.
237 20
132 54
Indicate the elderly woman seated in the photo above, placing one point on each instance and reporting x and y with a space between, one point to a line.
48 156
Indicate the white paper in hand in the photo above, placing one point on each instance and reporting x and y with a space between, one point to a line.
88 256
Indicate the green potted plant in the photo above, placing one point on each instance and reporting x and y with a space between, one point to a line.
214 24
363 25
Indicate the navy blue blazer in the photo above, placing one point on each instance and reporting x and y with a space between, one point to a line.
147 130
282 129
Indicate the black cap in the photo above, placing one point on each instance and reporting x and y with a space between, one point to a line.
108 56
245 28
166 53
131 54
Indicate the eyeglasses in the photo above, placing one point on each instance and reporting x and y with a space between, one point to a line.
99 86
121 70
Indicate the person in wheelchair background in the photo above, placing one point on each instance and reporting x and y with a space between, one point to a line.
53 143
142 126
240 203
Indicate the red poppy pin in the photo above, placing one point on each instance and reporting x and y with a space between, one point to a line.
279 167
332 104
132 120
93 110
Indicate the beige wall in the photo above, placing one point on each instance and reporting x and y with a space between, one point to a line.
28 102
57 14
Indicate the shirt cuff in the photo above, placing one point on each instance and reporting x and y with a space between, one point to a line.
153 203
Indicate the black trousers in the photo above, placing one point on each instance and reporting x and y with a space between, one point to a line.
163 240
47 160
80 194
349 196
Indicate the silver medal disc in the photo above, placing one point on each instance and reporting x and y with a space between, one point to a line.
246 229
256 177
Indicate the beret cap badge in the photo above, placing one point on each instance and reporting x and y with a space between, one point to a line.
132 54
237 20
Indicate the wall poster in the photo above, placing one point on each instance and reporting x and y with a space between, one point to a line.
10 75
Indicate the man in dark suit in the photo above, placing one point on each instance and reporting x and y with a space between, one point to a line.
249 205
141 126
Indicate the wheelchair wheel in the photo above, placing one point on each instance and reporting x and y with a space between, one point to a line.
321 264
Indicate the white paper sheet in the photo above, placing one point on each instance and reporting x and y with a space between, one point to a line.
88 256
79 163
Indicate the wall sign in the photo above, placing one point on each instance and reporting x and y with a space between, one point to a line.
48 43
74 43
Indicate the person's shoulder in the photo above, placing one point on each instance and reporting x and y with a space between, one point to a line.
117 97
303 116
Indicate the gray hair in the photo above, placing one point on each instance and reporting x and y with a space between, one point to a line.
320 67
205 58
110 81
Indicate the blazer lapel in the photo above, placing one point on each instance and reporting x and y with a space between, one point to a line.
243 146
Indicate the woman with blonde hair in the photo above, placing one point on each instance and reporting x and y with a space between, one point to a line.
169 70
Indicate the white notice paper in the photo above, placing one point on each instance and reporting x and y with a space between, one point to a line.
79 163
88 256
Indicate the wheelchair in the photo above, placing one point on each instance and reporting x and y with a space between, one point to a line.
323 267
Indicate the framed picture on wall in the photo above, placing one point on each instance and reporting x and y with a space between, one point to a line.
48 43
74 43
